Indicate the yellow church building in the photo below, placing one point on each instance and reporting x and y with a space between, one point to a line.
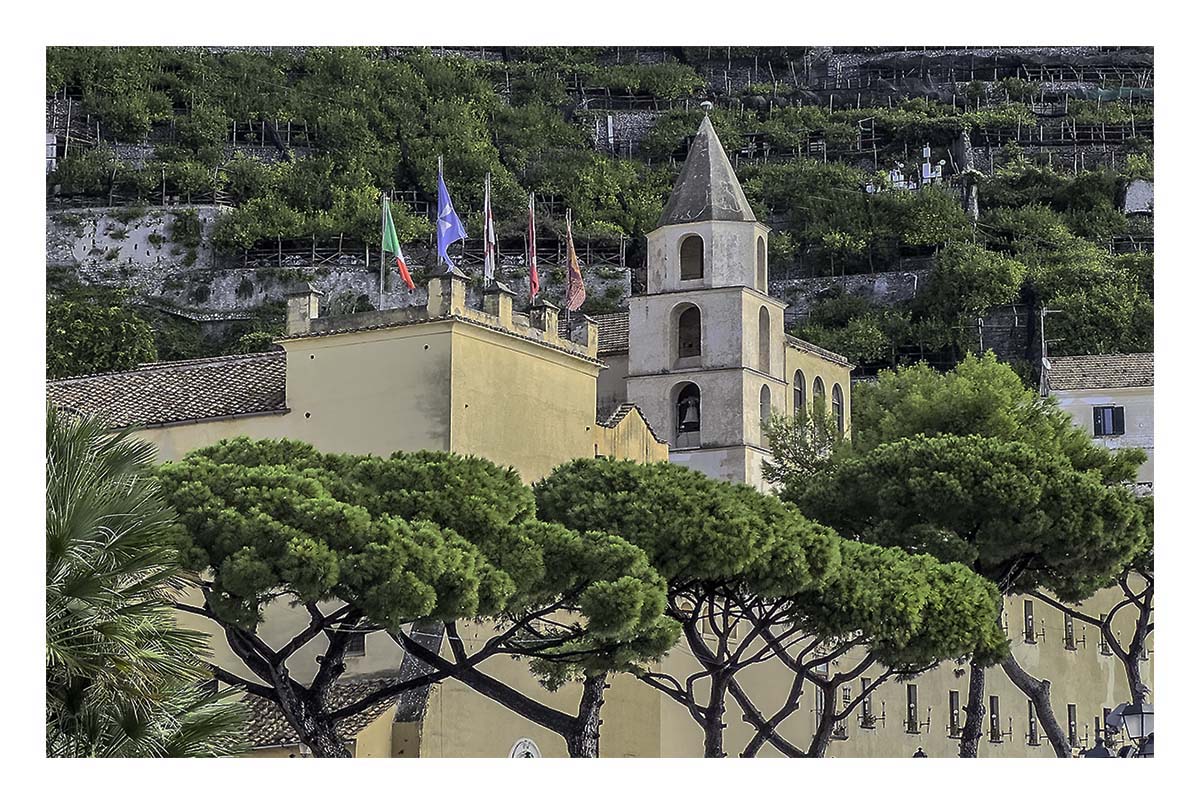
690 374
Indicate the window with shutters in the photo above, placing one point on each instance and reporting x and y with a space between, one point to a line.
1072 726
1032 730
839 409
840 732
911 722
994 733
1029 631
1108 420
867 718
1068 631
955 715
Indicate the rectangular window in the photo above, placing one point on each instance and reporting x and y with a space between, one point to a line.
1108 420
356 645
818 706
1069 631
994 719
911 722
1030 636
839 728
1105 649
955 710
868 716
1072 726
1033 725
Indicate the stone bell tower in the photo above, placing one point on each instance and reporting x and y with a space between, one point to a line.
706 342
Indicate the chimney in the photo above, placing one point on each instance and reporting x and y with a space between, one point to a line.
303 305
447 293
498 301
584 333
544 316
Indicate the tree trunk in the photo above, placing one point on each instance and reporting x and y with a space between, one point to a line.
820 740
714 717
968 743
1039 693
583 738
314 728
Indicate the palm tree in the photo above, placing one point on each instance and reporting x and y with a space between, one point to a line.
123 679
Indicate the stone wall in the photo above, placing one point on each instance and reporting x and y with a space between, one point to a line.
133 248
886 288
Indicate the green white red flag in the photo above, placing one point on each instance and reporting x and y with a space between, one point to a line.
391 244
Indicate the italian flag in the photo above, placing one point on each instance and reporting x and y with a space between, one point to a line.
391 244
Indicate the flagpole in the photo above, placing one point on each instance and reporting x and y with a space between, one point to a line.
383 211
442 180
566 297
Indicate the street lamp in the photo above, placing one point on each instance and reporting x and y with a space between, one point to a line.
1138 720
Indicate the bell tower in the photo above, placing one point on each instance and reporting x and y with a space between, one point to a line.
706 342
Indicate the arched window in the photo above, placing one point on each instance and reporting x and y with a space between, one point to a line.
691 257
760 263
798 390
764 340
838 409
764 412
687 333
687 415
818 397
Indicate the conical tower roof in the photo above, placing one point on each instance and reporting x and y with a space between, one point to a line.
707 188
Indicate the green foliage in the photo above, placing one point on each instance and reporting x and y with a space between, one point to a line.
90 335
1020 515
420 535
980 396
971 466
703 534
122 677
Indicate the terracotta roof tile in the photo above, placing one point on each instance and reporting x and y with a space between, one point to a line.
266 726
1075 372
160 393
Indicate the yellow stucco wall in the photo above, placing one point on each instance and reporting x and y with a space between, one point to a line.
518 403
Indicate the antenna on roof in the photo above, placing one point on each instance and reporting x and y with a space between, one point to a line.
706 105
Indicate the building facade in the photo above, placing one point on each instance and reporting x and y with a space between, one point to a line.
690 373
1111 397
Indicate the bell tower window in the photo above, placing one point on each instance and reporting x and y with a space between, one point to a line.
760 264
691 257
687 415
764 341
687 336
764 413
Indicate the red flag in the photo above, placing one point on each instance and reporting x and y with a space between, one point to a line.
576 291
534 284
489 234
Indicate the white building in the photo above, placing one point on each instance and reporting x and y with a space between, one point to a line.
1111 397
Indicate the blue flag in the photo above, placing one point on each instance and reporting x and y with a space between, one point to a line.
449 227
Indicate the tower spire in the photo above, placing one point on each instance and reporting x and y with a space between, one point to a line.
707 188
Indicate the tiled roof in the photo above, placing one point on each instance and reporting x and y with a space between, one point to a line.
618 415
1100 371
160 393
612 331
266 726
817 350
